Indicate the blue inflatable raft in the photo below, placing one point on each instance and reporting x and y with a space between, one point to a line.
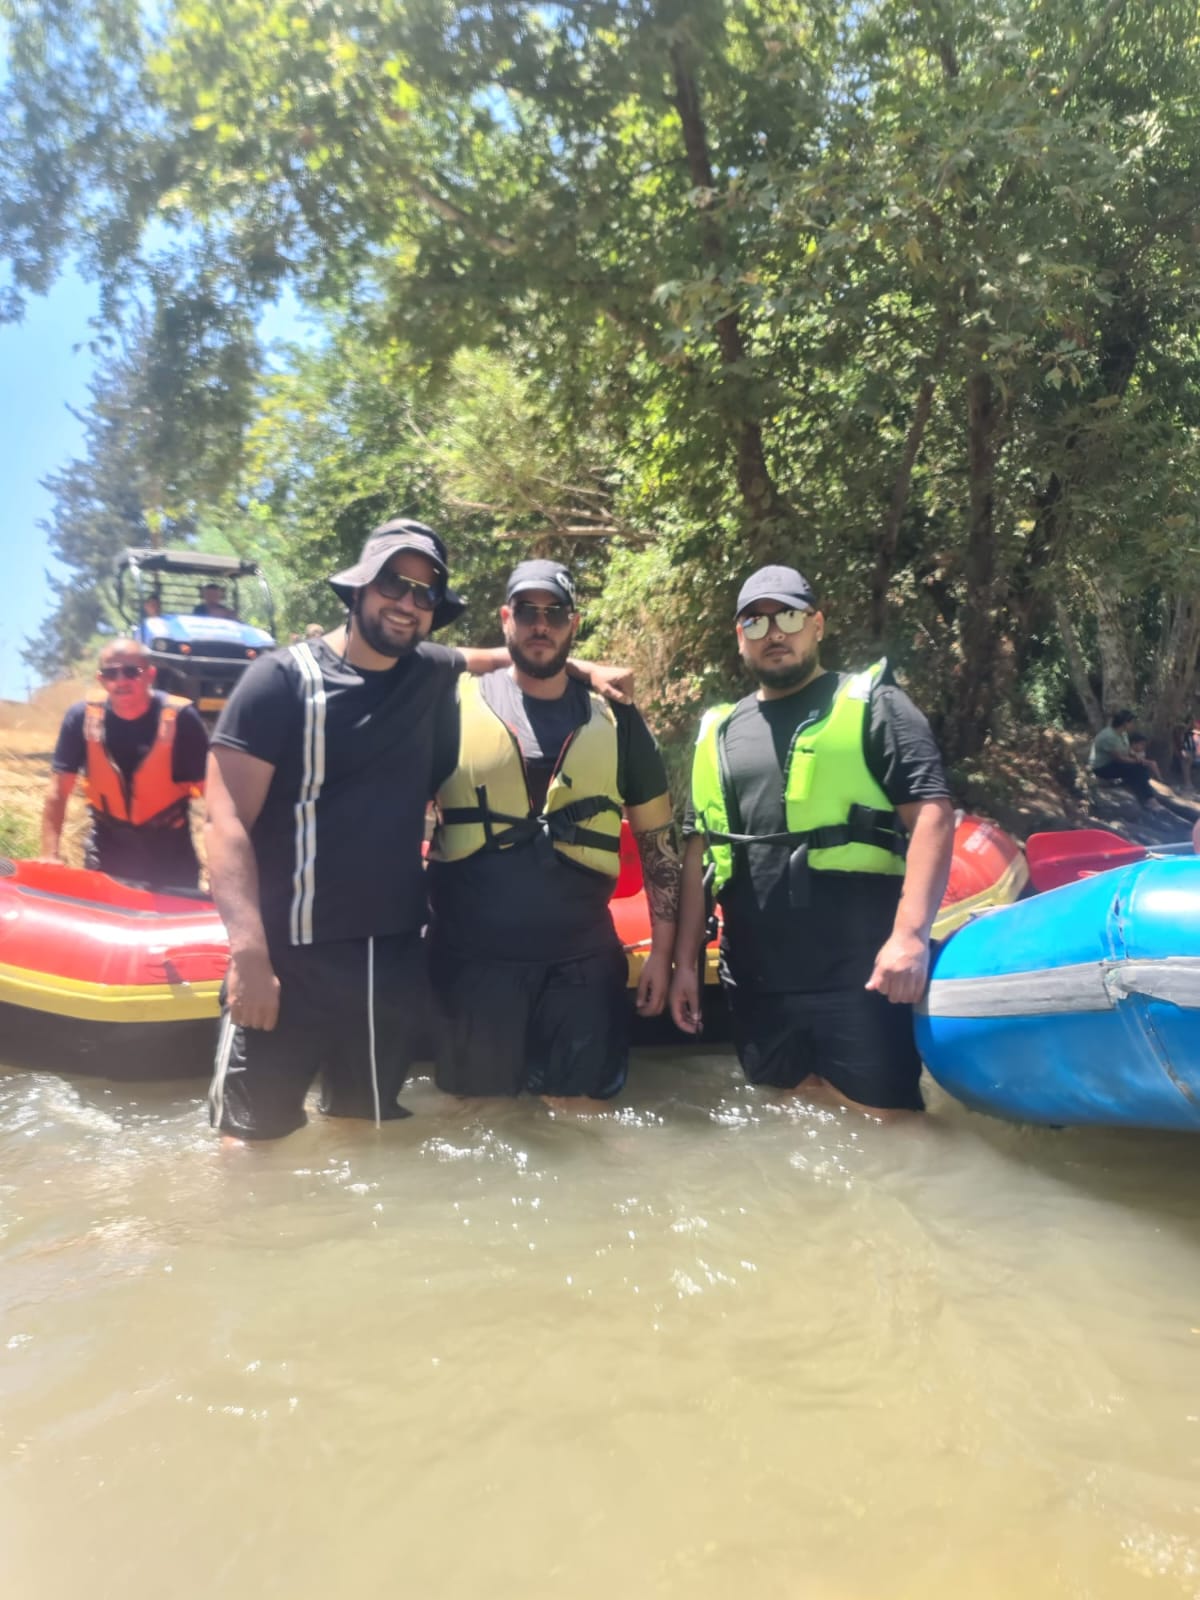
1079 1006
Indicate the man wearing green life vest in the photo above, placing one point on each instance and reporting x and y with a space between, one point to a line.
525 962
820 813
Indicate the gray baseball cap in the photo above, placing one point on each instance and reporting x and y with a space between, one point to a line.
784 584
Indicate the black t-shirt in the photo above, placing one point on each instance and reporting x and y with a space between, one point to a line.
768 943
162 857
528 903
338 840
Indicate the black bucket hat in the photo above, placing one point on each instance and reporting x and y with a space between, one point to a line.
385 542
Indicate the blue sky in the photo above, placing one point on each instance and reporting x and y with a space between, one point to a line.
41 375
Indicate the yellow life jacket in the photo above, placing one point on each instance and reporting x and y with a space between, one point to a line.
838 817
151 798
485 804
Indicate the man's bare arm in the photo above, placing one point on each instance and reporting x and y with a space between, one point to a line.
614 683
902 965
654 829
481 660
689 939
54 813
236 787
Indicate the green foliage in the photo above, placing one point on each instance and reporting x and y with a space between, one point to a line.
907 295
19 835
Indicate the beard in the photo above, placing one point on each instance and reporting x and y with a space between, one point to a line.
376 635
791 677
550 668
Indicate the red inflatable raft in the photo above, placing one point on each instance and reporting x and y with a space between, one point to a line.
82 946
988 868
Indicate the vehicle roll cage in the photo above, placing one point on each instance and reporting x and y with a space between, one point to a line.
170 576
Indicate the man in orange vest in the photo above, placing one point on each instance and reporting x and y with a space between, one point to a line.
142 756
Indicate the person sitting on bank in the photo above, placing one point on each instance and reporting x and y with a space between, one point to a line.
142 755
212 603
1139 745
821 810
1112 758
524 958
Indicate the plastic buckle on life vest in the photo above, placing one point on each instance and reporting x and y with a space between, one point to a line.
799 878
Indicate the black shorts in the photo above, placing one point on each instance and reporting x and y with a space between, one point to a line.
854 1038
554 1028
339 1005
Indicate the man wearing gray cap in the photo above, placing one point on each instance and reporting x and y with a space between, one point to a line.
322 765
821 813
523 954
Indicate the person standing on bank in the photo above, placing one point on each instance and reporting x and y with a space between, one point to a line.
525 962
323 762
803 797
142 756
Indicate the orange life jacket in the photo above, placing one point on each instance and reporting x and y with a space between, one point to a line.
151 798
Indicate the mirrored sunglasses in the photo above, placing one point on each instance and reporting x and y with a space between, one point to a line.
526 613
758 625
111 674
392 586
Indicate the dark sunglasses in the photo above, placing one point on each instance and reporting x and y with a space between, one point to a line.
758 624
527 614
111 674
392 586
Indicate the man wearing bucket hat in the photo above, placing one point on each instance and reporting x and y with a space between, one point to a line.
322 766
525 959
821 813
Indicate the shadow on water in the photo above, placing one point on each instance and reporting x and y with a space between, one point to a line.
1148 1171
121 1052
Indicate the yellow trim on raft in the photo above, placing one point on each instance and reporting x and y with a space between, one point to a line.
1003 892
103 1002
637 954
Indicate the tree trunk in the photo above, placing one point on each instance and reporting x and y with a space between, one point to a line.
889 534
1118 680
983 673
767 511
1175 678
1077 666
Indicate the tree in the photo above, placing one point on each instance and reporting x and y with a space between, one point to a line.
901 293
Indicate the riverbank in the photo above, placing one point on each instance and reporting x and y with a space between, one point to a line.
1033 781
28 730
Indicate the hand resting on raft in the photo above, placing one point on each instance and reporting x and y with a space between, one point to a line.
901 968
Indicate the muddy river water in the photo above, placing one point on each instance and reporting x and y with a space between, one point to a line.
708 1345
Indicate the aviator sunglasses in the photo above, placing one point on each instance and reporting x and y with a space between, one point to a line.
111 674
526 613
394 587
759 625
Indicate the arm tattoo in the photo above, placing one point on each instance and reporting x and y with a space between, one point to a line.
662 870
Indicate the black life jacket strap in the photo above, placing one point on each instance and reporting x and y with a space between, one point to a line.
173 816
864 825
565 825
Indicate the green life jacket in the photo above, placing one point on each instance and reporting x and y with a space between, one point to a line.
838 817
485 804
